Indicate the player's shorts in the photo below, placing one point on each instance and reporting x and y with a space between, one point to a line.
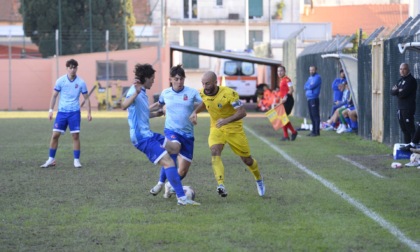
187 144
152 147
235 138
70 119
351 108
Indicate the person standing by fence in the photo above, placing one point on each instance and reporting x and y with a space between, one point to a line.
405 90
312 90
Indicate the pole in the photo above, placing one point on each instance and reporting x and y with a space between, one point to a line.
10 70
90 25
270 52
125 25
56 52
246 18
107 68
59 25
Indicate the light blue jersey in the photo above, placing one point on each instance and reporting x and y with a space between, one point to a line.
69 93
179 106
138 116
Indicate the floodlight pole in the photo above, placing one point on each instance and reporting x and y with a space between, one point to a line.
107 68
10 70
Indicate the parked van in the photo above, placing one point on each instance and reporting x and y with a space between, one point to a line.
240 76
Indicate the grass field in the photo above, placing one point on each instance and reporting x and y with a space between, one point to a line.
330 193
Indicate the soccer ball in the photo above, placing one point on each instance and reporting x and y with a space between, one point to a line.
189 192
396 165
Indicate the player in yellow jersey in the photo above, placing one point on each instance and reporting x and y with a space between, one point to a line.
226 112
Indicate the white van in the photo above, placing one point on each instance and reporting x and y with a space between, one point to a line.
240 76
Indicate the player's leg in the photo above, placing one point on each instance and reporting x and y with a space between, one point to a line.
239 145
216 142
74 127
59 127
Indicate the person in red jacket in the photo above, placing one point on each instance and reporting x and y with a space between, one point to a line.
267 100
285 97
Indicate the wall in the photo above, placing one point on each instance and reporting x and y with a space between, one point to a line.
33 80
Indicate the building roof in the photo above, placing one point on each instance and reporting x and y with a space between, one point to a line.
348 19
9 11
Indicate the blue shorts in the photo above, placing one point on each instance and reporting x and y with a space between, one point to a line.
187 144
152 147
64 119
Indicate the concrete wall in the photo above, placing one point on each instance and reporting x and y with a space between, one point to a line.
32 80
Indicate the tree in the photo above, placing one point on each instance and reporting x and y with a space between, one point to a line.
73 19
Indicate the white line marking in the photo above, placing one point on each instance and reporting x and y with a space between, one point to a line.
362 167
366 211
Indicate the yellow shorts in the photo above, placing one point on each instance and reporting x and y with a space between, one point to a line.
235 138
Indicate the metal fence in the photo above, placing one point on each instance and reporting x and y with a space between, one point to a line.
378 61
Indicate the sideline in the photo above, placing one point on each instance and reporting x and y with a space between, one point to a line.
360 166
366 211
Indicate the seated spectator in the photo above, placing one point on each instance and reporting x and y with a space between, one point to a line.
331 123
337 92
265 102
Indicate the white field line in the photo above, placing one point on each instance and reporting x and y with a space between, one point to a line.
366 211
360 166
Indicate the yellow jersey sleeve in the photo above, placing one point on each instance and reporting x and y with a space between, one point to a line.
222 105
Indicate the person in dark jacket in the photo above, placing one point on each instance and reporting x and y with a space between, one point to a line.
405 90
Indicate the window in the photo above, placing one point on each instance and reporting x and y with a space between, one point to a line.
190 9
238 68
189 60
255 8
117 70
219 3
219 41
255 36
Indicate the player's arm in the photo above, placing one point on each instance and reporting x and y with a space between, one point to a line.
128 101
239 114
200 107
89 115
52 104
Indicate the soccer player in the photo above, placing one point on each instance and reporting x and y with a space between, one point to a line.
226 112
69 86
155 146
179 102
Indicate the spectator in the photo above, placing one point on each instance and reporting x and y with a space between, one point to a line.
312 90
265 103
405 90
345 99
337 93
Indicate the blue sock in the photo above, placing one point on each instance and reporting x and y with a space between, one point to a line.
76 154
348 121
162 177
174 179
52 153
354 125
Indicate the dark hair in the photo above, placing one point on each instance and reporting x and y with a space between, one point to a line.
341 71
284 68
143 71
71 62
177 70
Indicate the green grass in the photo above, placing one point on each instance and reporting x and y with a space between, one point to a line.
106 206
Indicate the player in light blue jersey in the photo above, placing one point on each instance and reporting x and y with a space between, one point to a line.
179 102
69 86
155 146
